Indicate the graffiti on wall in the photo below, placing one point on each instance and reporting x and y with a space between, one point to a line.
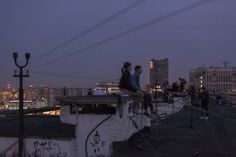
97 143
46 149
36 149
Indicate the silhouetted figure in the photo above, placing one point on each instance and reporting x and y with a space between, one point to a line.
148 100
165 89
175 87
192 95
182 84
90 92
204 98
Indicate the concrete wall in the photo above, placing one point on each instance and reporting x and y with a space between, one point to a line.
8 147
100 141
38 147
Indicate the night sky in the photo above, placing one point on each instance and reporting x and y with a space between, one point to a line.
195 36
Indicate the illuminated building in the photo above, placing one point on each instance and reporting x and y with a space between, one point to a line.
215 79
109 87
159 71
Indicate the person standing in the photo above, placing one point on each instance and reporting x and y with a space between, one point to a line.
204 98
182 84
148 101
166 92
90 92
192 95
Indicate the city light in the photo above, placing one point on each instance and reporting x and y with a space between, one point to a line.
151 65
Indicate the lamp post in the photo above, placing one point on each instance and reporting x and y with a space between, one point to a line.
21 101
156 90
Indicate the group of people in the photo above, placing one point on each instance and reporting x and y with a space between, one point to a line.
130 84
179 87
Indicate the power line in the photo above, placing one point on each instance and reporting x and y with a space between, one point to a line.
92 28
149 23
72 76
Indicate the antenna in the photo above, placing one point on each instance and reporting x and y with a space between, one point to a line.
225 63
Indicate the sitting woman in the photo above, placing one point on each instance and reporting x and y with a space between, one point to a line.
125 86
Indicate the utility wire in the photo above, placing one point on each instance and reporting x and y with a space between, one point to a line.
124 33
92 28
71 76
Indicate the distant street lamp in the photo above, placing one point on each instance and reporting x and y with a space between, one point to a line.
156 90
21 101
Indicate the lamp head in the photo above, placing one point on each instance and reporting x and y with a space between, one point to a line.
15 55
27 55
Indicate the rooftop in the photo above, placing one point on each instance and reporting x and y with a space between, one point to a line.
174 137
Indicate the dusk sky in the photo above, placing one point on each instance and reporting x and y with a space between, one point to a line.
195 36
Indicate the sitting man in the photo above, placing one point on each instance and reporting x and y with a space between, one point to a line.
127 87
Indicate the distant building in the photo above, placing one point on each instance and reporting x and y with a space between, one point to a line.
216 79
196 77
36 93
14 104
8 92
58 92
35 96
109 87
159 71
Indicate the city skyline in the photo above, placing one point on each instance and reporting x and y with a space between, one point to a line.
202 35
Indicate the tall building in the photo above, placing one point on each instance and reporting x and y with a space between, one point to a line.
196 77
215 79
159 71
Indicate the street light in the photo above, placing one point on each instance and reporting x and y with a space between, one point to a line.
27 56
15 55
21 100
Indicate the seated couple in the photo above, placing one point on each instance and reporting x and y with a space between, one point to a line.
129 84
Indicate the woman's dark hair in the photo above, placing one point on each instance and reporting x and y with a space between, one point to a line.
125 67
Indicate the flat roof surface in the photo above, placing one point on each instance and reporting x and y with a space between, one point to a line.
215 137
38 126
